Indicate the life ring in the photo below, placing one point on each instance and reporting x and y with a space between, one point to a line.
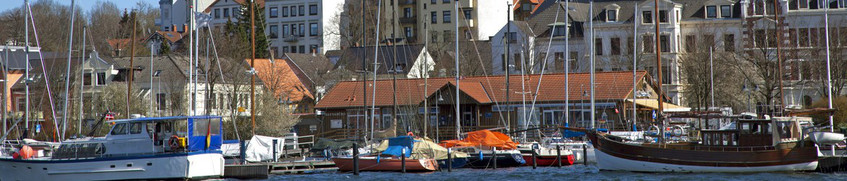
410 134
173 142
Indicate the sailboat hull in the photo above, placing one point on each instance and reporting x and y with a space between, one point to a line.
609 162
168 166
386 164
503 160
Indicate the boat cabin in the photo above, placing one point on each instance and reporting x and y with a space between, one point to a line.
754 132
150 136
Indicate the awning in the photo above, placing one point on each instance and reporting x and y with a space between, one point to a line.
653 104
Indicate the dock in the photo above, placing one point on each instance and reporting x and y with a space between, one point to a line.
829 163
264 170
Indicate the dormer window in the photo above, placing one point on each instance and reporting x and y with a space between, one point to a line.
611 15
711 12
663 16
647 17
726 11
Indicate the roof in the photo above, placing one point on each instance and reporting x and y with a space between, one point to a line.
118 43
518 4
309 67
280 77
171 36
484 89
351 58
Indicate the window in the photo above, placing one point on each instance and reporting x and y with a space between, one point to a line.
273 31
293 11
285 49
629 46
87 79
434 17
709 40
663 16
135 128
468 14
690 42
293 49
445 1
512 36
729 42
446 16
407 12
598 46
302 10
616 46
503 62
313 29
518 61
101 78
302 49
448 35
313 9
273 12
285 11
804 37
119 129
572 60
433 1
434 35
226 13
665 43
648 44
161 102
302 31
612 15
217 13
285 31
726 11
408 31
235 12
711 12
293 29
647 17
559 60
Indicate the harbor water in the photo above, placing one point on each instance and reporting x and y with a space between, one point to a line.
575 172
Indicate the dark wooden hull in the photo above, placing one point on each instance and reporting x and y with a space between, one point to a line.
503 160
386 164
616 155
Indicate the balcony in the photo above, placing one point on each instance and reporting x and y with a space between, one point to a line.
407 2
290 39
408 20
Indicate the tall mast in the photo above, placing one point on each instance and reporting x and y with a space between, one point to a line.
196 59
394 69
27 79
364 75
81 84
68 74
634 67
567 61
591 66
253 64
711 78
779 53
376 58
152 95
507 64
659 113
458 104
191 44
5 93
425 74
828 75
131 69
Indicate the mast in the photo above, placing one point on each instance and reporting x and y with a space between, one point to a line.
131 69
779 53
567 62
426 82
152 95
376 58
252 65
591 66
68 74
26 70
711 78
191 44
81 84
634 68
458 105
828 75
5 82
507 65
661 102
364 75
394 69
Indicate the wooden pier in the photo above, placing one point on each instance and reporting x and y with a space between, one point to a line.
263 170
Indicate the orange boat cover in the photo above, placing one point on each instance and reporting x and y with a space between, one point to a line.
483 138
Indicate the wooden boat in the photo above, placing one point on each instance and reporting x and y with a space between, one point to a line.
484 158
546 154
753 145
373 163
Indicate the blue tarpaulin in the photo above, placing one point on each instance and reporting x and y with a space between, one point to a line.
396 145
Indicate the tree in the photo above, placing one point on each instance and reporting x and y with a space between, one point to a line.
696 75
242 29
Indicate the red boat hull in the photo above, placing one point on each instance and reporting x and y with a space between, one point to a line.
548 160
386 164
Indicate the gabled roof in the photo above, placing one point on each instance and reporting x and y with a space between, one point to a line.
280 77
171 36
484 89
308 67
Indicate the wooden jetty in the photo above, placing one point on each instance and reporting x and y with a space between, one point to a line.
263 170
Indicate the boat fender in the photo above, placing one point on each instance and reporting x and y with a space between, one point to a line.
377 158
173 142
480 155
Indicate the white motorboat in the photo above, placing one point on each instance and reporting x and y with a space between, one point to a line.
185 147
829 138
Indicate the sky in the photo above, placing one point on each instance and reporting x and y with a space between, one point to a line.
84 4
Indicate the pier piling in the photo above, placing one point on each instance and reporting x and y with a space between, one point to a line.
449 160
584 155
243 151
355 159
403 159
559 156
276 158
494 156
534 159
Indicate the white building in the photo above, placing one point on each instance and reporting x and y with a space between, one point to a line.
293 26
174 14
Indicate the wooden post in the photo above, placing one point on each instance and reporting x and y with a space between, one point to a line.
355 159
403 159
584 155
534 159
275 142
243 151
494 156
449 160
559 155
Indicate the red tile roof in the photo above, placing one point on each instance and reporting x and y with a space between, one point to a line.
485 89
279 77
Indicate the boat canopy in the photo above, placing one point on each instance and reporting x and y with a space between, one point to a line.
399 146
203 132
425 148
483 138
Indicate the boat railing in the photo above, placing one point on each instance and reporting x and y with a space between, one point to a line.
733 148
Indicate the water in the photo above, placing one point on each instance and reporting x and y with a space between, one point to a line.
575 172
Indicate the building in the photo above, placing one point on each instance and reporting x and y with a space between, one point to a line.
686 27
417 21
174 15
409 61
284 80
483 106
292 26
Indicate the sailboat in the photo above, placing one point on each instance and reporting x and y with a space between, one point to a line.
397 154
747 145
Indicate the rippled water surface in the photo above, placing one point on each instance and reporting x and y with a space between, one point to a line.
576 172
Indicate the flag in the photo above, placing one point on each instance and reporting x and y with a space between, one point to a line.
208 133
202 19
110 116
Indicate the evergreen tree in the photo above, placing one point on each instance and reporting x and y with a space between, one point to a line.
242 28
